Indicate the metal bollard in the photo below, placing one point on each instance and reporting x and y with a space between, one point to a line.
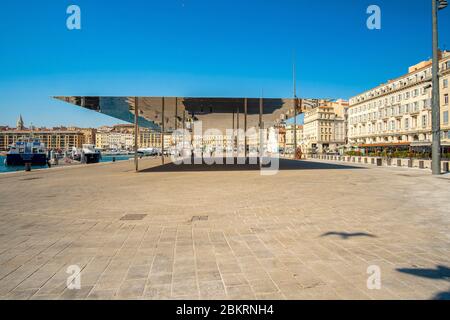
421 164
27 167
445 167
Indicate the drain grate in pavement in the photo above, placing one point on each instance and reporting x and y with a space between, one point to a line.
199 218
133 217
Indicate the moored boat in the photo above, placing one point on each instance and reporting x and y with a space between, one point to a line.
87 154
31 152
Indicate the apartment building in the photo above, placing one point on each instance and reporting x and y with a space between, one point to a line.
281 136
151 139
121 137
341 110
88 135
398 113
115 140
53 139
290 134
324 127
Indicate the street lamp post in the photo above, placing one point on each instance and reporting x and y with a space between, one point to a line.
435 110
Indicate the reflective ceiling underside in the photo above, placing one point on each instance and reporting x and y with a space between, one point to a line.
215 113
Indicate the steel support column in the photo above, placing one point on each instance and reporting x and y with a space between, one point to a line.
184 131
163 127
245 126
261 128
232 138
237 130
136 132
295 127
176 113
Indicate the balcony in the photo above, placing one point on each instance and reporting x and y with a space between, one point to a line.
415 110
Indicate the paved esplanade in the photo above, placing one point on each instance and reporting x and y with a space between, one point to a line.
311 231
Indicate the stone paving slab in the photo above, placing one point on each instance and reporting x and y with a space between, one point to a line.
309 232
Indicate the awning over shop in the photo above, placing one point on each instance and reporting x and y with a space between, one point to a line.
421 144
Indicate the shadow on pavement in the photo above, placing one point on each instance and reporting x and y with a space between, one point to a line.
284 164
346 235
440 273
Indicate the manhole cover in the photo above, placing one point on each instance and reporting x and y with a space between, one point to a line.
199 218
133 217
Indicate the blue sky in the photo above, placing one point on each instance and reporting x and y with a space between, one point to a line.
200 48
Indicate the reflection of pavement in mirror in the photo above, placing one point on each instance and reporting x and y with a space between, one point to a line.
309 232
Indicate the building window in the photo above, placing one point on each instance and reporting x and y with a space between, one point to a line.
424 121
446 99
406 124
392 125
445 120
445 83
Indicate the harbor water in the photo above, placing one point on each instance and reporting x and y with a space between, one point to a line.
4 168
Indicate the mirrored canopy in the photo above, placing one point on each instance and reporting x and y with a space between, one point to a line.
179 112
